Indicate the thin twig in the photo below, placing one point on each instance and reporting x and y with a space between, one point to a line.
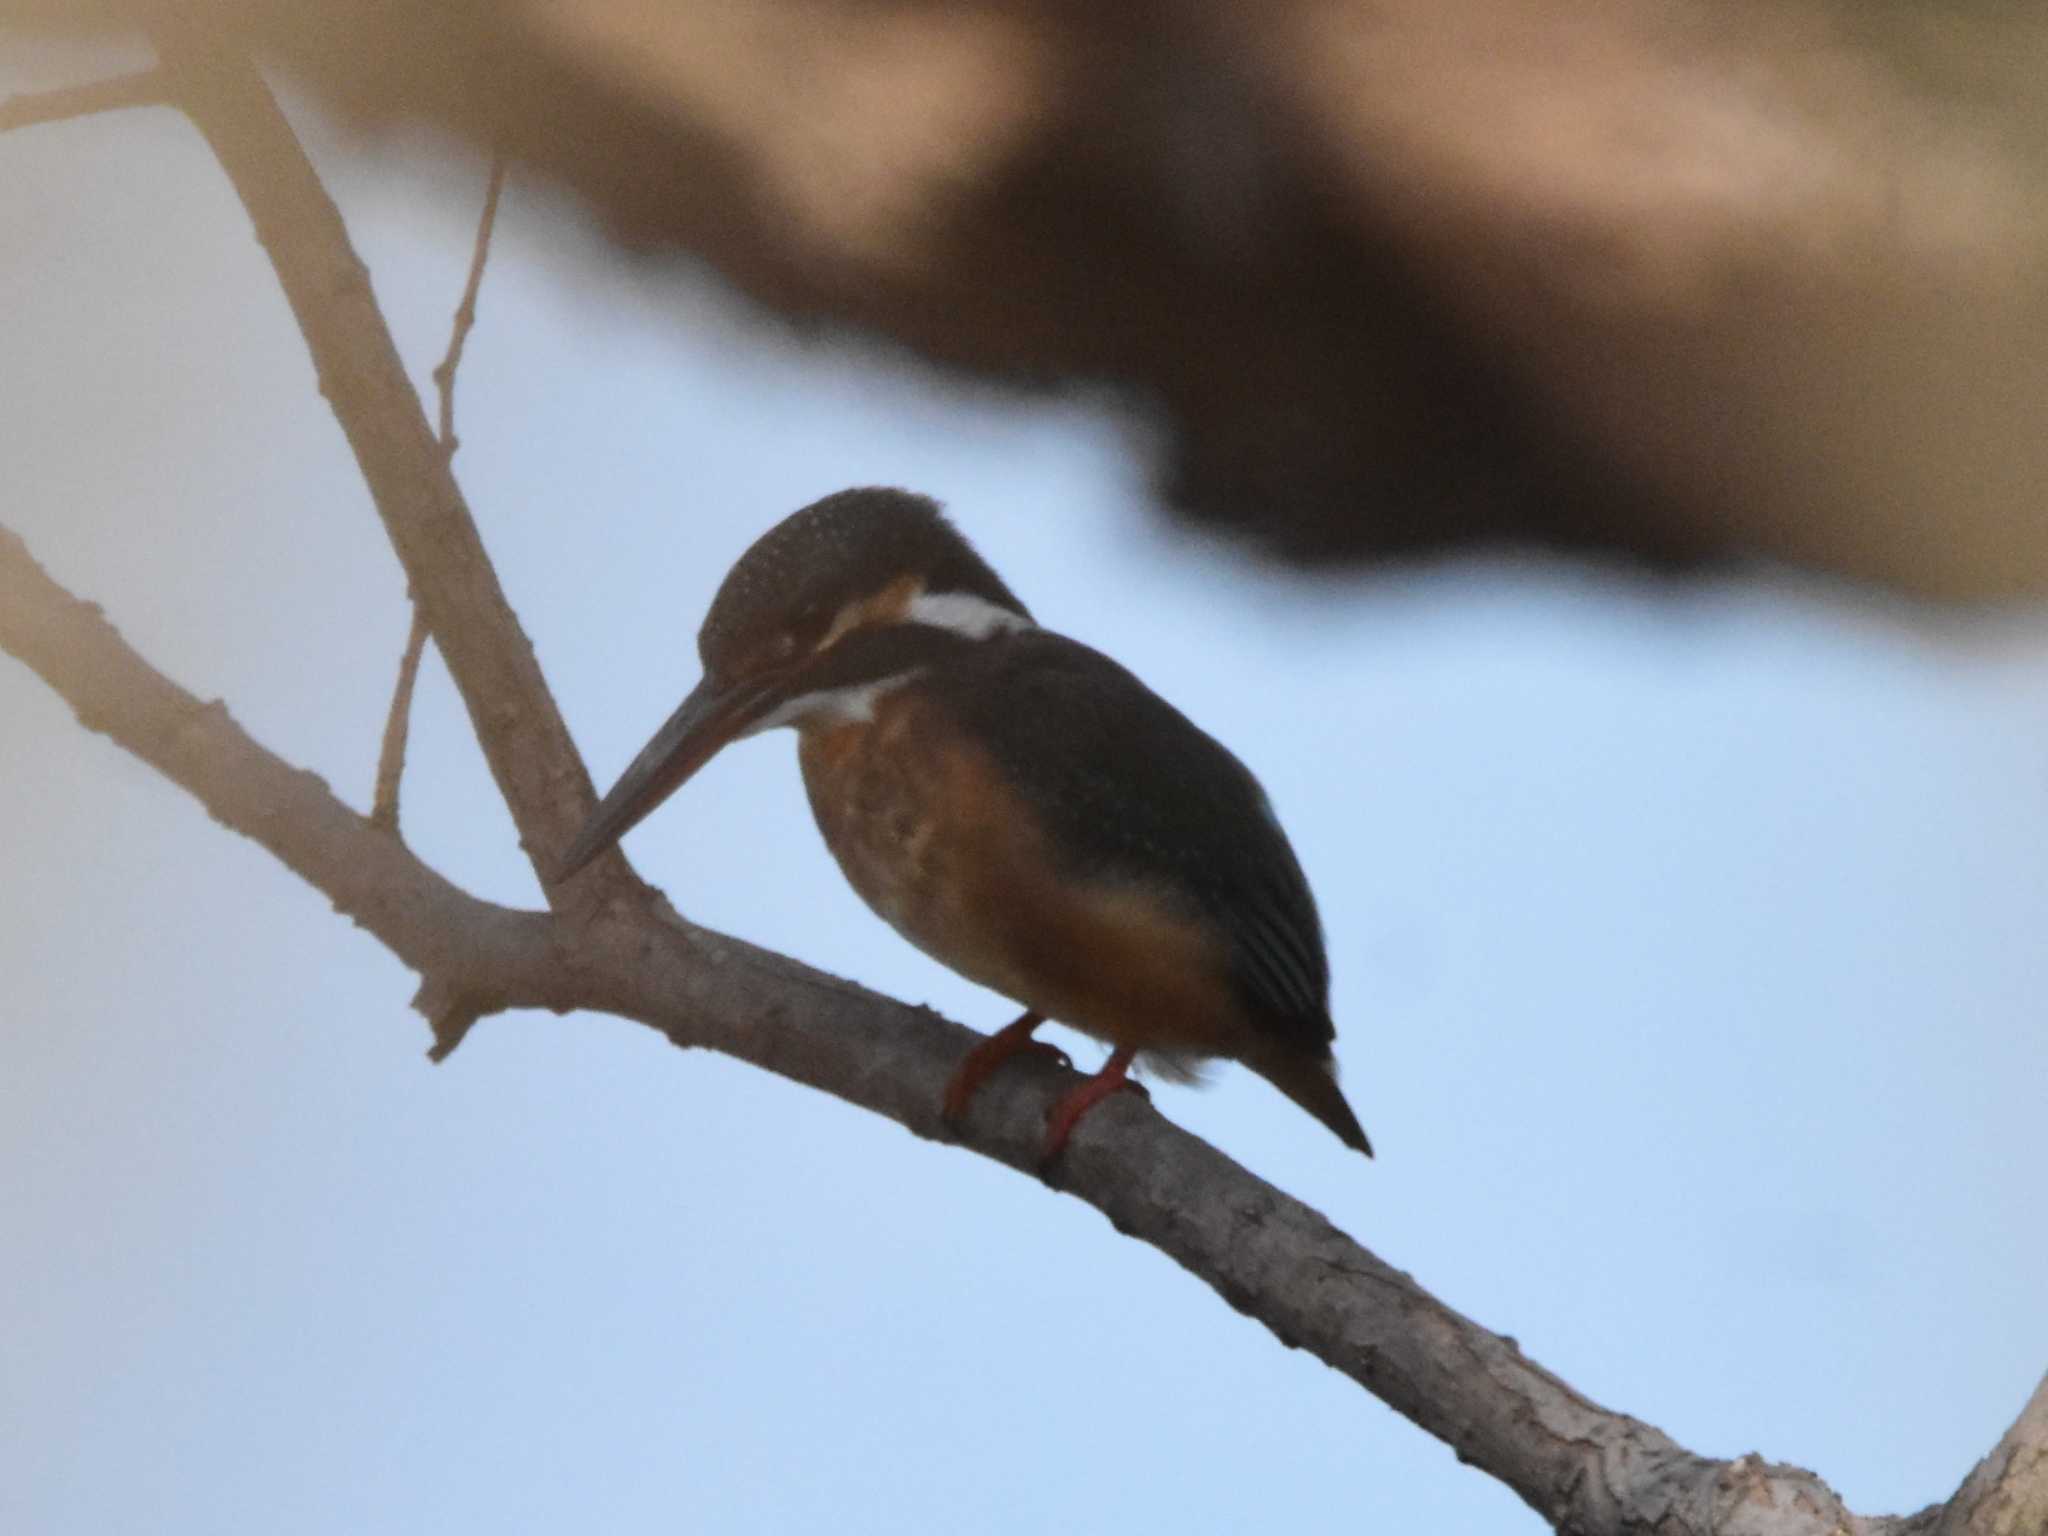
465 312
391 756
144 88
398 723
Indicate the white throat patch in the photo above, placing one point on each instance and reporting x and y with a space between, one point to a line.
964 614
851 705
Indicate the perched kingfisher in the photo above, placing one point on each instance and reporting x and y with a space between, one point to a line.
1016 805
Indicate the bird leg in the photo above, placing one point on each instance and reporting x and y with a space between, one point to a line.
1113 1078
1011 1040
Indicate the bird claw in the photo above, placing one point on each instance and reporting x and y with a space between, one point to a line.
1067 1112
991 1053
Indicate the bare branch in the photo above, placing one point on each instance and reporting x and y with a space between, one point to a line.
488 654
2007 1492
1582 1467
465 312
144 88
391 755
492 954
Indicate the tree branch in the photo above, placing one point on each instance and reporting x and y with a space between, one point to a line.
516 722
1583 1468
491 955
144 88
397 725
465 312
391 756
2007 1492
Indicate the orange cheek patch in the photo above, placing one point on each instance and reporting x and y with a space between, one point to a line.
887 606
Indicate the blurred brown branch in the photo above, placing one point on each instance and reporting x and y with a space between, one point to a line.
1659 277
616 946
144 88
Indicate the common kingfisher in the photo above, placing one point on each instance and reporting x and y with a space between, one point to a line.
1015 804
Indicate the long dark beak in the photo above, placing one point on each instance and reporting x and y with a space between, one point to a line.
705 721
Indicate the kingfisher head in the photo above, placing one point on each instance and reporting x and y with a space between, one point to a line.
832 607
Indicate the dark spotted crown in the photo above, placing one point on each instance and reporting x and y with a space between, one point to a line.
802 575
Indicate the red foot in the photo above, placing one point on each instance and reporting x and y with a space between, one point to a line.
1011 1040
1113 1078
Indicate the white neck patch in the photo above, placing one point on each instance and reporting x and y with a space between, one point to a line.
964 614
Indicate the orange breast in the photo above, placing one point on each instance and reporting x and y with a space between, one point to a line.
933 838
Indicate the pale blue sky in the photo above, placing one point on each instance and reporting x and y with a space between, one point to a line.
1686 939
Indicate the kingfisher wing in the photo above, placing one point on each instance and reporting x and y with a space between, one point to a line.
1132 791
